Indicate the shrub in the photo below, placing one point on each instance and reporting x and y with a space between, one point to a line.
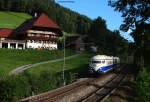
13 88
143 86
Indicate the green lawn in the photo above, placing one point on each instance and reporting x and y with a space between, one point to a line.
71 64
11 58
12 19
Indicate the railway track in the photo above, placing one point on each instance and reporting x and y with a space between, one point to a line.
60 92
88 90
104 91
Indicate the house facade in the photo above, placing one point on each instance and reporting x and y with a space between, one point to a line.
38 33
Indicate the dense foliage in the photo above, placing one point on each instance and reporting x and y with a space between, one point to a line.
136 14
142 86
108 42
13 88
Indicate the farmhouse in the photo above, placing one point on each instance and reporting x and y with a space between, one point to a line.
37 33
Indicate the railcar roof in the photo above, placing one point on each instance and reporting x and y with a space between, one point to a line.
97 57
101 57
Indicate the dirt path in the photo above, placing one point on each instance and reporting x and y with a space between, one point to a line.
24 67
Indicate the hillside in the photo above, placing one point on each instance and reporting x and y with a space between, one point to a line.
70 22
11 59
12 19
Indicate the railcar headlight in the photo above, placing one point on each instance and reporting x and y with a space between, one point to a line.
96 65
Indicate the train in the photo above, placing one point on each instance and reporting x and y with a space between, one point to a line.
103 64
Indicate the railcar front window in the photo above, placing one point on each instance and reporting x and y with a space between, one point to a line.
96 61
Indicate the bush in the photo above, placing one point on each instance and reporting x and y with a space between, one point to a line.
143 86
13 88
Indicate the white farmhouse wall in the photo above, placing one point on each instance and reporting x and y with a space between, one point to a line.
35 45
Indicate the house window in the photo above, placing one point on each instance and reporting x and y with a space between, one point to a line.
38 35
30 34
2 38
33 41
46 35
29 41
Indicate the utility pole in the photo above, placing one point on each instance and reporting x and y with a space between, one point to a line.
64 64
65 1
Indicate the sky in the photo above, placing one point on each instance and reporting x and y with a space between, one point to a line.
95 8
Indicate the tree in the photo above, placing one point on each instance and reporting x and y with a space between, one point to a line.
136 14
98 29
108 42
2 6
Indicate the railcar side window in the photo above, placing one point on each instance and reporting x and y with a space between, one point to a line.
115 60
103 61
110 62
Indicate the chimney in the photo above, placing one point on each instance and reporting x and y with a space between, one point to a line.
35 14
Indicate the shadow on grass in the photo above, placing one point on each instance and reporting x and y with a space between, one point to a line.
76 73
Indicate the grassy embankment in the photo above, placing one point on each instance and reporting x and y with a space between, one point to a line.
41 78
56 67
11 58
12 19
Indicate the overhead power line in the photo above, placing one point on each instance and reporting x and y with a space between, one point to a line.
66 1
